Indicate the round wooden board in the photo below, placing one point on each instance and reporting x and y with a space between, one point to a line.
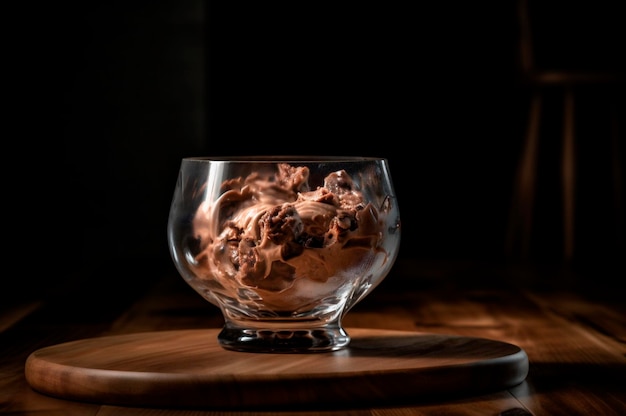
188 368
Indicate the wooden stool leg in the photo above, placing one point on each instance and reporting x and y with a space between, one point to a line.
521 216
618 185
568 175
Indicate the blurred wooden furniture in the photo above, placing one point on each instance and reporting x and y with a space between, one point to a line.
570 55
575 338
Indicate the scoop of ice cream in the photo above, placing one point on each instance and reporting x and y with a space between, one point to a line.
279 239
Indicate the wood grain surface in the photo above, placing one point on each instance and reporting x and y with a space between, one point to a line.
575 339
188 368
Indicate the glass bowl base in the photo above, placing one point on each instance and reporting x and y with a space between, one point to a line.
309 340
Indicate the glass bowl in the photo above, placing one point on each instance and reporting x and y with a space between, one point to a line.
285 246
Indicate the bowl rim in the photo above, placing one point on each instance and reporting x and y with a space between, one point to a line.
283 158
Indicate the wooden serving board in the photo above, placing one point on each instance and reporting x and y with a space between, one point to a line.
188 368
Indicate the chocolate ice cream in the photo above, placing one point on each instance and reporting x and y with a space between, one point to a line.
271 237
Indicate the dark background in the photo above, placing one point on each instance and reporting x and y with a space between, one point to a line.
105 99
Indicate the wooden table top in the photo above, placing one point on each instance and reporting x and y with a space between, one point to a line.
575 340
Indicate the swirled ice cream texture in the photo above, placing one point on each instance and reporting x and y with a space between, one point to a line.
275 236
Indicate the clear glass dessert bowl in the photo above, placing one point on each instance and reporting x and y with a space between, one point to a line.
285 246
